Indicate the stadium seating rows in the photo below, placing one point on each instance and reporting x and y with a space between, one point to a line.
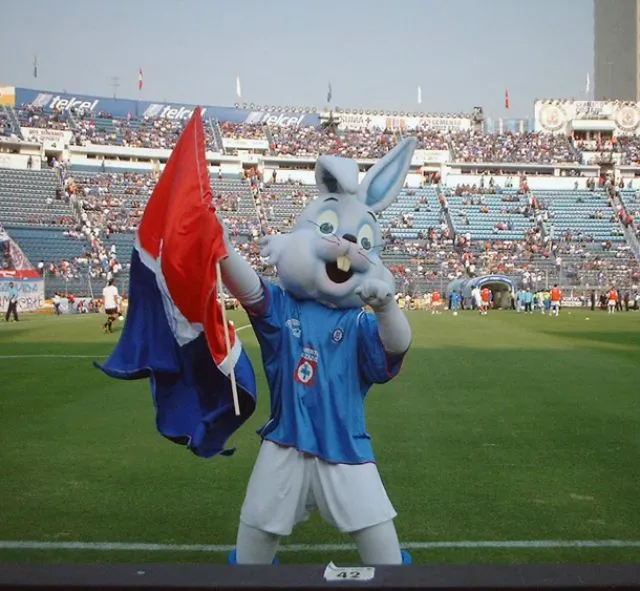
504 235
432 234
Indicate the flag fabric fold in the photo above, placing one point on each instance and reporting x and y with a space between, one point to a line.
174 330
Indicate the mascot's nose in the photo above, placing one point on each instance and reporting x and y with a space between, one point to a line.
350 238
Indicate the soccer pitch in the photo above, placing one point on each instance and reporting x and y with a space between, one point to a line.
505 439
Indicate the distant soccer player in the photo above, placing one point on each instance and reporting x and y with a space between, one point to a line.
556 299
485 295
477 298
456 298
612 300
436 302
527 299
111 299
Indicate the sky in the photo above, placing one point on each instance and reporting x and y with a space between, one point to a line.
375 53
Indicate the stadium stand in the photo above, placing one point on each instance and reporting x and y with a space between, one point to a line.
80 217
539 148
32 198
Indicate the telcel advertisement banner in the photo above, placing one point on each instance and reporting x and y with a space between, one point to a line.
122 108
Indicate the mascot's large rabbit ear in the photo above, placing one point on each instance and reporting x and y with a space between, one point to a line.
384 180
336 175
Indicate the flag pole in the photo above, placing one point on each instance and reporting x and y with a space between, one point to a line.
227 339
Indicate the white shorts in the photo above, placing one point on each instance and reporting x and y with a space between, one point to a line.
286 486
612 303
555 305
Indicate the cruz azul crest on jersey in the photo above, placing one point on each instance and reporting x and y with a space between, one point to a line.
307 367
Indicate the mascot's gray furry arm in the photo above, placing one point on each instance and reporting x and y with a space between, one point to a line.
321 354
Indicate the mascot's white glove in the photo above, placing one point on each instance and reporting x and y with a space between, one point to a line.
393 326
375 293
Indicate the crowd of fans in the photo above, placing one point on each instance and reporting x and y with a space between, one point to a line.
30 116
5 124
465 146
106 204
104 129
541 148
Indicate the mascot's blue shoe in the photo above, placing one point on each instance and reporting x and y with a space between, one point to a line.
233 559
406 557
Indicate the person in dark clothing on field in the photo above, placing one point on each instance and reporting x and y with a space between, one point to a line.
12 308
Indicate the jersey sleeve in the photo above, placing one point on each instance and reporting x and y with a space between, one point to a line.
266 318
376 365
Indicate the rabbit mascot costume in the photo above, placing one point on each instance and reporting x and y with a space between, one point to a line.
321 353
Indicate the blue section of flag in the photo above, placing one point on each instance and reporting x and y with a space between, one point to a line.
192 396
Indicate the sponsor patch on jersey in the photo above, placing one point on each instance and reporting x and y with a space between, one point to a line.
293 324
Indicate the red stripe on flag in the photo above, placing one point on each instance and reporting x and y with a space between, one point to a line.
180 224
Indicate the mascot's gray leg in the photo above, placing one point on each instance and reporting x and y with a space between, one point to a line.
378 544
255 546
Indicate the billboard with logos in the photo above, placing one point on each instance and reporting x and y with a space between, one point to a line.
564 116
362 121
121 108
30 291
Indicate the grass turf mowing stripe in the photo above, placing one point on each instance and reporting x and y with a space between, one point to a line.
148 547
60 356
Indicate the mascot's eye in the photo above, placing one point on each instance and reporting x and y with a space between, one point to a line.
365 237
327 222
326 228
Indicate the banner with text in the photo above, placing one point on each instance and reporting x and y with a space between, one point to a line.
239 144
355 122
54 139
30 294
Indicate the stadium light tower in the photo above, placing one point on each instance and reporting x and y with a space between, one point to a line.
115 83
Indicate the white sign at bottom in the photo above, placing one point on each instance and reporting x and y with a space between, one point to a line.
335 573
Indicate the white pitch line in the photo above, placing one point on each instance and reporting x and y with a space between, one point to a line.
44 356
298 548
61 356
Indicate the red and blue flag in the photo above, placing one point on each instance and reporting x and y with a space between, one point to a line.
174 330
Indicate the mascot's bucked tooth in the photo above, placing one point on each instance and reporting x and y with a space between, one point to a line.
344 264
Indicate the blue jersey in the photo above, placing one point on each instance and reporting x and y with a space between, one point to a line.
320 363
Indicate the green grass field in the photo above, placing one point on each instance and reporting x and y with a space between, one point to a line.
504 428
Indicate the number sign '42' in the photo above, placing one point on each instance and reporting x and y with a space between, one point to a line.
343 574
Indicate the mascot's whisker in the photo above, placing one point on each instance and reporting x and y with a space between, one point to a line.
365 255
